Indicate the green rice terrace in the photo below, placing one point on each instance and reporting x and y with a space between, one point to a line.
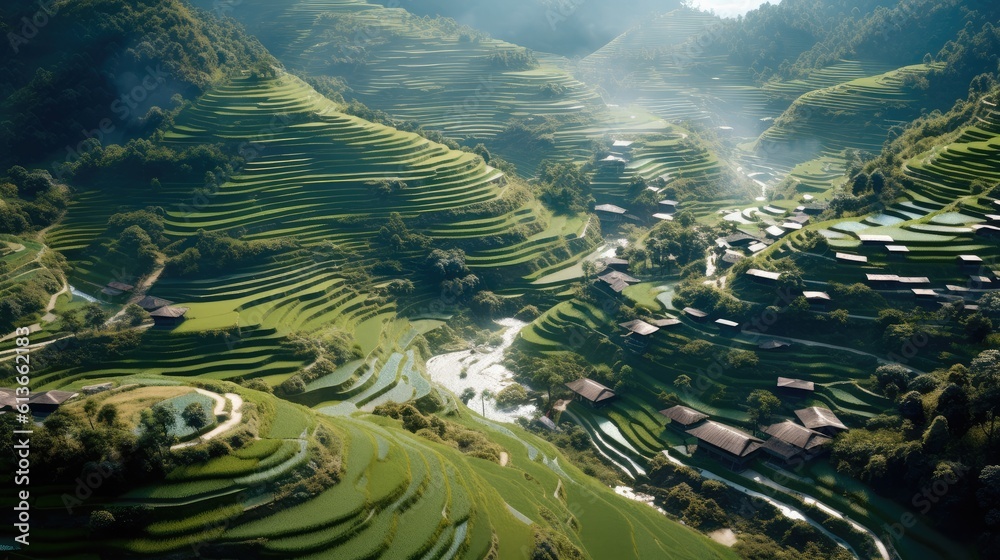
300 485
344 282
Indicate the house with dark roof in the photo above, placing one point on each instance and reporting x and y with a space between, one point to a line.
616 281
8 400
821 420
969 261
682 417
168 316
795 387
667 206
116 288
151 303
48 401
738 239
612 263
638 336
591 392
666 322
727 444
729 258
792 440
610 212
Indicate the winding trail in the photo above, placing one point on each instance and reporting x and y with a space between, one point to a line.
235 417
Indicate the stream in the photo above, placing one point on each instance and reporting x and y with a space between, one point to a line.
484 370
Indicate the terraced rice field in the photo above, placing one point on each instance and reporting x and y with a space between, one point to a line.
396 496
663 66
851 114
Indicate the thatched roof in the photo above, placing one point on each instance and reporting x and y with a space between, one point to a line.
882 277
684 415
727 323
696 313
726 438
51 397
590 390
799 436
639 327
897 248
788 383
609 208
913 280
847 257
169 312
780 448
668 322
121 286
817 417
763 274
823 296
150 303
969 259
8 398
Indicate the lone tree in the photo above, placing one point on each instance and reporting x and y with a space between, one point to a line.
762 405
195 416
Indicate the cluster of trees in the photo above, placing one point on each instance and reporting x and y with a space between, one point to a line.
564 187
706 504
325 351
512 59
942 434
439 430
29 200
171 46
209 252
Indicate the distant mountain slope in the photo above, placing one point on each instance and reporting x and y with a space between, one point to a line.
96 69
570 28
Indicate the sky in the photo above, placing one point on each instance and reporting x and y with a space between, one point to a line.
730 8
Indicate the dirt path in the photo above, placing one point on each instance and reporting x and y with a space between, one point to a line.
235 417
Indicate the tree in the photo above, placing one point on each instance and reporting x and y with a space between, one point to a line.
589 269
94 316
89 409
467 395
195 416
953 404
762 406
978 327
108 414
134 315
683 381
101 520
892 379
911 407
155 424
937 435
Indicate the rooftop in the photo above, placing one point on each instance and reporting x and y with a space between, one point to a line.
818 417
610 208
590 390
799 436
789 383
639 327
729 439
757 273
684 415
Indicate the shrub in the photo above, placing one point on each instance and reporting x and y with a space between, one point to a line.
511 396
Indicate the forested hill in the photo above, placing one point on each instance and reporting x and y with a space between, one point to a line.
107 69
